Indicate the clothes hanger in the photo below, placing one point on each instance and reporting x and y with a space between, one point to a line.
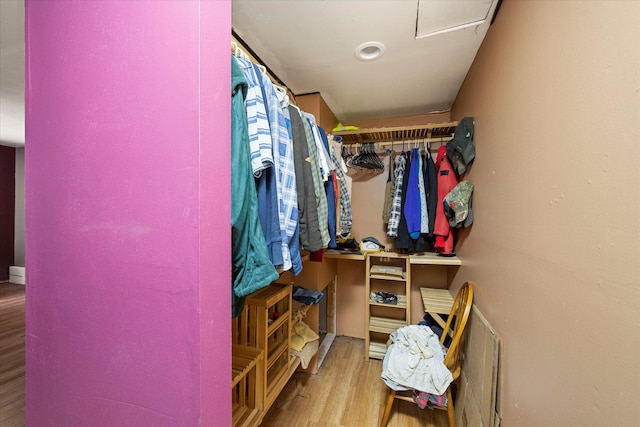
239 52
280 89
369 160
297 108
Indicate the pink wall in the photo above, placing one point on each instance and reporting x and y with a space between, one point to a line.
127 188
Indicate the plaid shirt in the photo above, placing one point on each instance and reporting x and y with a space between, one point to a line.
394 220
283 167
260 143
318 185
289 200
345 201
323 156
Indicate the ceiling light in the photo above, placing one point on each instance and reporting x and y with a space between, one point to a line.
369 51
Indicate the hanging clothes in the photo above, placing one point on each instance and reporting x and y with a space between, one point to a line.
344 219
268 215
267 191
329 188
316 175
288 185
412 207
403 240
251 267
394 219
310 236
323 155
285 202
431 189
424 209
258 124
388 189
447 180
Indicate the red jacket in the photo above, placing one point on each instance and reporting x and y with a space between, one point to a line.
447 180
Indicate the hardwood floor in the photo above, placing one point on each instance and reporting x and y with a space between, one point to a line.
11 355
348 392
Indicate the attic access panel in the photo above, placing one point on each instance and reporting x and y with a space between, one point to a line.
437 17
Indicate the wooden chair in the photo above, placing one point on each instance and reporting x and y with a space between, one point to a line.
454 328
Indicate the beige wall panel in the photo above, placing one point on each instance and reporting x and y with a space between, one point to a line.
367 198
314 103
554 249
350 295
327 119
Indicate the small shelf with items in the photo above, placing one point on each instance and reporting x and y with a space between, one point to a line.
388 290
320 317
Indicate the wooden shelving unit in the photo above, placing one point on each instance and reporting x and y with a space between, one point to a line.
423 258
272 332
261 360
381 318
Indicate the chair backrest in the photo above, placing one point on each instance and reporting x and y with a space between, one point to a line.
455 326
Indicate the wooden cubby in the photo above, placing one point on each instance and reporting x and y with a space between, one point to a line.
246 385
381 318
262 362
271 332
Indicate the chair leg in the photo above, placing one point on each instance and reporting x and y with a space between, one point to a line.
387 408
450 409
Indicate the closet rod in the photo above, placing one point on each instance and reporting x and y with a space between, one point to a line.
398 145
404 143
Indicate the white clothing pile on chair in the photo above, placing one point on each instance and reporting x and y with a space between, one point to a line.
415 361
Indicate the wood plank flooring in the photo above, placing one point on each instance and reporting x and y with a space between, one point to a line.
346 392
11 355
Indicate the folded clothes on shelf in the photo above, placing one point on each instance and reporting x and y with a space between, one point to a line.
306 296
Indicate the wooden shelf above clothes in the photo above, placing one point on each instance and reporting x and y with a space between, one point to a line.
422 258
433 132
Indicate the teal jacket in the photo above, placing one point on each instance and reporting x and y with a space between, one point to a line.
251 267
